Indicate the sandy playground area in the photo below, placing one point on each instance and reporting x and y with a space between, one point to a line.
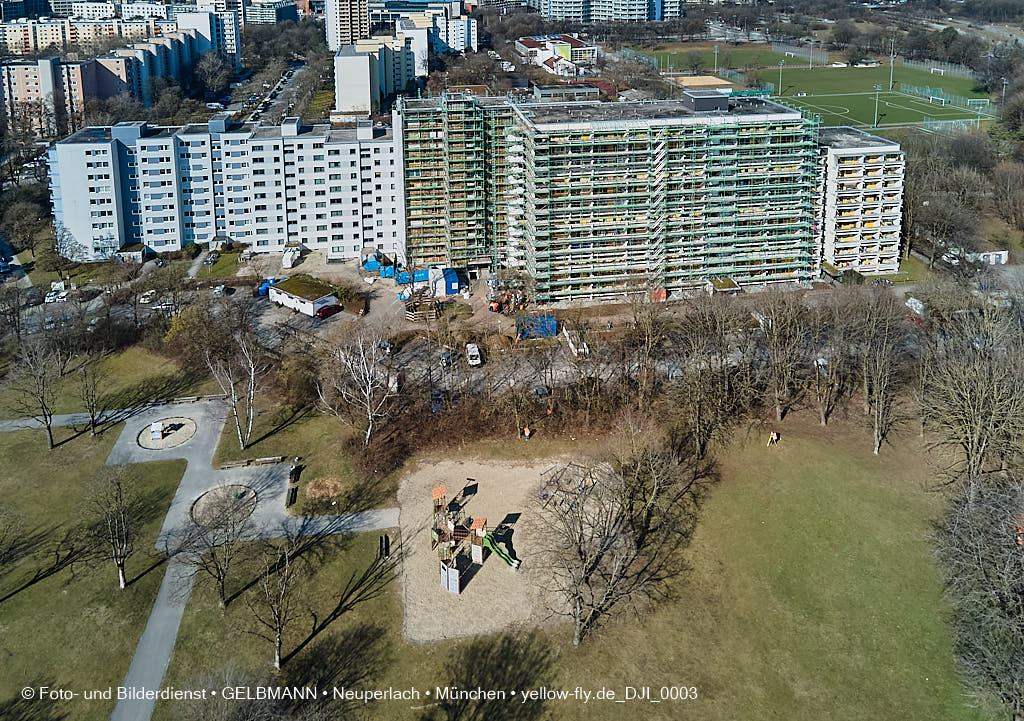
495 597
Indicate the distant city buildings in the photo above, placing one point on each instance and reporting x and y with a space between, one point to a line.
367 71
585 11
564 55
346 22
269 12
48 96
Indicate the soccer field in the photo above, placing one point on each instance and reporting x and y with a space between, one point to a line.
826 81
858 109
674 56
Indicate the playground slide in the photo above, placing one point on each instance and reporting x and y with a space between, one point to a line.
491 543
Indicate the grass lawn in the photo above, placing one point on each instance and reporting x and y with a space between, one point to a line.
824 81
225 267
136 376
350 651
321 104
812 593
71 629
912 270
81 274
675 56
319 440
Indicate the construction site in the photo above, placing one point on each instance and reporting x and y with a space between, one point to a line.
590 200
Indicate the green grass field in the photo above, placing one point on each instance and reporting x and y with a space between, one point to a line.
73 629
827 81
811 593
859 108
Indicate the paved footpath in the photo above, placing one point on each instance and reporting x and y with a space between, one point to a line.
271 519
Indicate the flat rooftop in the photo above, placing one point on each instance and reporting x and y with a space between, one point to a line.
845 137
255 130
641 110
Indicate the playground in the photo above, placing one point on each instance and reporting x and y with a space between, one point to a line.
470 518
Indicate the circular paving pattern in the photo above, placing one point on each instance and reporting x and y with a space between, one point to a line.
234 502
175 432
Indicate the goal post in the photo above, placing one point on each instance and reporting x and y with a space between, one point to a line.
936 100
938 71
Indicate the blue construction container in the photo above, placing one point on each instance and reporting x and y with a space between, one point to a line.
387 271
371 265
451 281
403 276
421 275
536 326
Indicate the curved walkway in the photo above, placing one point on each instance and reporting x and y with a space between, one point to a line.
153 653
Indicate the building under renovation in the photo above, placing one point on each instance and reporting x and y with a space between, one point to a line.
590 199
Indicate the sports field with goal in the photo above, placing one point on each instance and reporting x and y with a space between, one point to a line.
893 108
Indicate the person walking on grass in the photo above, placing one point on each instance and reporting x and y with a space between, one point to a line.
773 439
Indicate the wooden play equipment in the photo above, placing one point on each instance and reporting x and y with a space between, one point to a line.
450 531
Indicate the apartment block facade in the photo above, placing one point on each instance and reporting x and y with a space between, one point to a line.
346 22
860 200
586 198
334 190
30 37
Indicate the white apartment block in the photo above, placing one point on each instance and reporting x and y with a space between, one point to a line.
337 190
143 10
368 71
95 10
860 200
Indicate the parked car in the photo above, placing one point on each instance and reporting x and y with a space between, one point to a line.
33 296
159 262
63 295
327 311
473 355
385 347
51 297
219 291
448 357
49 323
147 297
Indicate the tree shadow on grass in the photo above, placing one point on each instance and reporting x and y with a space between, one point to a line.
66 552
284 418
511 661
128 402
20 709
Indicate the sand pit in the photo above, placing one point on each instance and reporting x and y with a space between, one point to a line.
175 432
237 500
495 597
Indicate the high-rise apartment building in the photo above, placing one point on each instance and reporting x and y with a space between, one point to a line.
860 200
585 11
347 22
587 198
337 190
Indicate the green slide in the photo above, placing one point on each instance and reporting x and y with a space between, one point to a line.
491 543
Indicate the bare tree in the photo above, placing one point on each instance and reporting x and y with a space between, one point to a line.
11 300
91 378
980 548
1008 193
829 354
613 535
880 347
356 381
113 516
272 602
781 319
239 364
710 393
216 541
973 390
35 380
645 340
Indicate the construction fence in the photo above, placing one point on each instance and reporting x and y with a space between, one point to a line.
978 105
940 68
813 56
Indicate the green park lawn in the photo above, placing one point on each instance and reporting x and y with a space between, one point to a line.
74 628
811 593
225 266
135 376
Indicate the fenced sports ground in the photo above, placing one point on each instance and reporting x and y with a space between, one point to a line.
894 108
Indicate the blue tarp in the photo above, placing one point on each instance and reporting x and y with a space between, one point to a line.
371 265
536 326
